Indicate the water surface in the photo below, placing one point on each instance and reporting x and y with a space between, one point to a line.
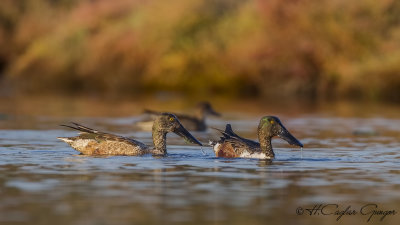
349 161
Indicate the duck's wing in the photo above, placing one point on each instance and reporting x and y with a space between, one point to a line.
230 135
89 139
233 145
151 115
90 133
183 117
151 112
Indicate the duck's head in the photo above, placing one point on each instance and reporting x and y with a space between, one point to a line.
271 126
206 109
168 122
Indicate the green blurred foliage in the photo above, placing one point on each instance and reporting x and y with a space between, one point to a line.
312 49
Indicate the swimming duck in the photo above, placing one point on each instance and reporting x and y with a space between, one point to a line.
194 122
93 142
232 145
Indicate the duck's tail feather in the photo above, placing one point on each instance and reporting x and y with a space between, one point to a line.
228 129
217 129
81 128
228 132
225 135
65 139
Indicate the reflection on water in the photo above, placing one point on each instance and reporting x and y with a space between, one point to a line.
44 181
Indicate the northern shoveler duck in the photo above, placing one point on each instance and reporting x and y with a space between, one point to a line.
93 142
196 122
232 145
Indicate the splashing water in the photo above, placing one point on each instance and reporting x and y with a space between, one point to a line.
202 151
301 152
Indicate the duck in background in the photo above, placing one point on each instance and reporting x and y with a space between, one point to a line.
195 122
93 142
232 145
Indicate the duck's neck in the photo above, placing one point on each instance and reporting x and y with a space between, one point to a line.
159 141
265 144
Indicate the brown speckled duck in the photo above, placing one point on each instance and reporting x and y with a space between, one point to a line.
196 122
232 145
93 142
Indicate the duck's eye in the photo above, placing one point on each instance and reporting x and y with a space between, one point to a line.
271 122
171 119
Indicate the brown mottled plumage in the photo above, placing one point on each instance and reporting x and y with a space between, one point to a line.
232 145
93 142
196 122
226 150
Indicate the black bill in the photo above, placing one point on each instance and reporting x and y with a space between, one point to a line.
181 131
285 135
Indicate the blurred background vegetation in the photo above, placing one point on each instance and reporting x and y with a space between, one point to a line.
286 49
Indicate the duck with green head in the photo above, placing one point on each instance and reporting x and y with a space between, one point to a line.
232 145
195 122
93 142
